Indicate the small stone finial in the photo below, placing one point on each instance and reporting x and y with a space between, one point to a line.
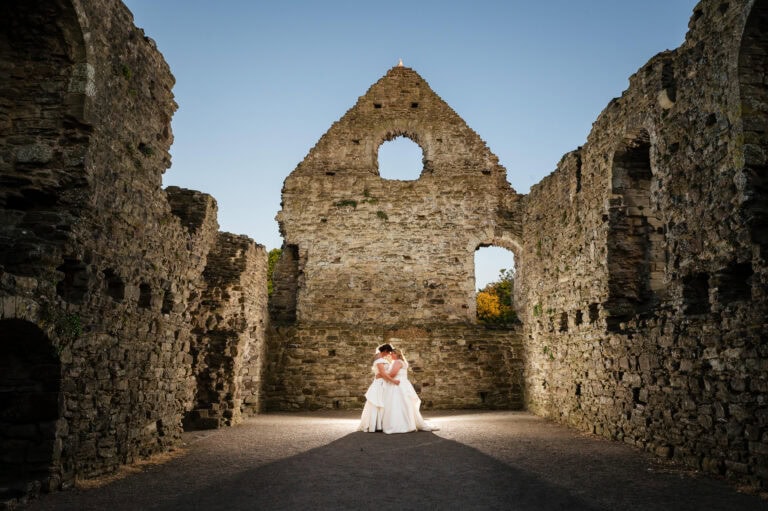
400 63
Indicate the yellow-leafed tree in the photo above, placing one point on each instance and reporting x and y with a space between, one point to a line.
487 306
494 301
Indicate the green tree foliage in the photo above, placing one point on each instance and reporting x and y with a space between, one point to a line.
495 301
274 255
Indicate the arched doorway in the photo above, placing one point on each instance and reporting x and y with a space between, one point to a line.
30 383
635 247
753 66
43 133
494 285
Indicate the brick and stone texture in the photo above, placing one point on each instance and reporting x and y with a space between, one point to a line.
98 272
451 366
641 260
365 256
379 251
644 290
228 348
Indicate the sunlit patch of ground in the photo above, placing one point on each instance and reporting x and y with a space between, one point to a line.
127 470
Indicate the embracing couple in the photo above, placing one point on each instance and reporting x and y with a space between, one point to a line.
392 405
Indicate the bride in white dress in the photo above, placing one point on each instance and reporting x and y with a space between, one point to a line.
401 403
373 411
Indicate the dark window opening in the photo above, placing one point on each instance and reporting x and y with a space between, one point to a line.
414 105
563 322
168 302
733 283
377 105
594 312
635 247
696 294
668 80
285 280
114 285
145 296
74 286
579 318
578 171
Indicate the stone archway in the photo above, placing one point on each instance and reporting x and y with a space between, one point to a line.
43 132
635 249
753 66
508 265
30 385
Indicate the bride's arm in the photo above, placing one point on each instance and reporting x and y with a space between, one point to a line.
384 374
396 365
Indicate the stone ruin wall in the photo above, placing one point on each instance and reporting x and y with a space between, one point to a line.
229 329
82 210
645 297
452 366
381 251
364 256
643 300
101 269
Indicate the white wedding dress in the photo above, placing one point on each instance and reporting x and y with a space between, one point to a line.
401 406
373 411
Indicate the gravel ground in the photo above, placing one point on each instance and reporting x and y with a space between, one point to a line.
477 460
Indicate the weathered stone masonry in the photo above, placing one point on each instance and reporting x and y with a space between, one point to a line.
229 343
645 298
101 270
366 257
641 260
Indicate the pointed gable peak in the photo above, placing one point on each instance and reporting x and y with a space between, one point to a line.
400 104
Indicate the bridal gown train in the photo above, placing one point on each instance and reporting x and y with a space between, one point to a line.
373 411
401 406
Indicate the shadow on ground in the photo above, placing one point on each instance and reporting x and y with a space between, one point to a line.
361 471
485 460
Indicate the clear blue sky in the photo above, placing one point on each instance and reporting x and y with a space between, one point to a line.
258 83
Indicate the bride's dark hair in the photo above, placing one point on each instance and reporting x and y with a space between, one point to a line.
385 348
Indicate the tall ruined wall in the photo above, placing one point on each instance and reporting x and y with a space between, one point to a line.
369 249
97 273
646 294
364 255
451 366
229 329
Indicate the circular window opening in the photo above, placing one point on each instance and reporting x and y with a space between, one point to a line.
400 158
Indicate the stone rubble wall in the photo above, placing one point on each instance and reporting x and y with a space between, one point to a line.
382 251
229 329
368 255
94 259
641 260
645 289
451 366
